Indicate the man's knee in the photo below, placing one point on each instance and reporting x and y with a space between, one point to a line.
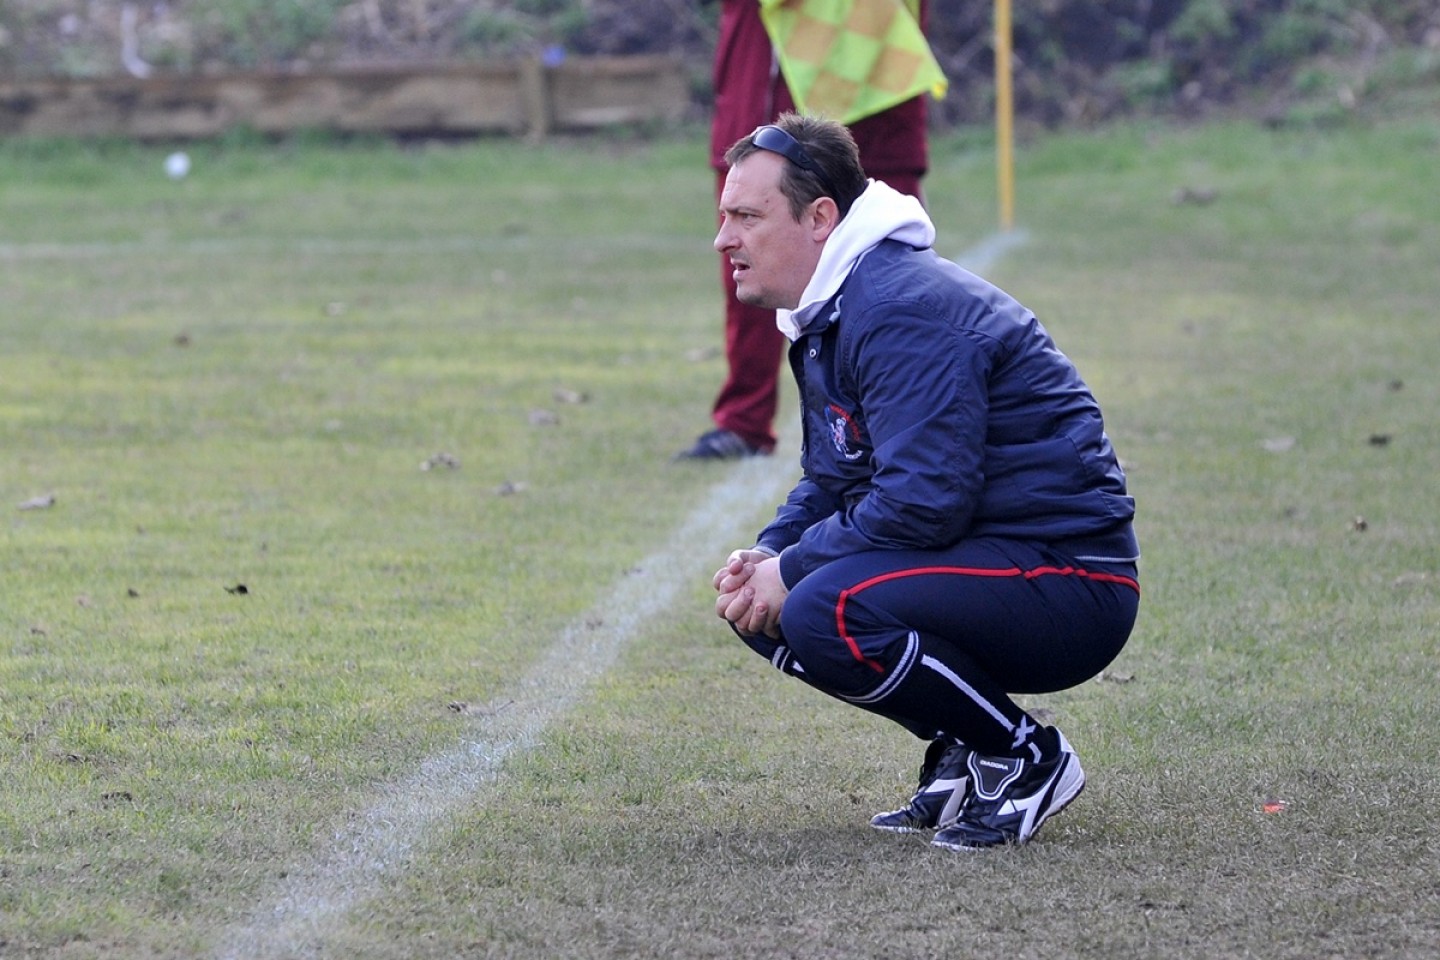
830 660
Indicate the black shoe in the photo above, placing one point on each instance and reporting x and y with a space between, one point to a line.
944 780
721 445
1010 798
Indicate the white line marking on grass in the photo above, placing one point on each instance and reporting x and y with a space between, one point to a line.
381 838
988 252
320 891
977 259
317 246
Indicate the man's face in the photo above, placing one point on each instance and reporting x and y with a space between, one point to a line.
773 256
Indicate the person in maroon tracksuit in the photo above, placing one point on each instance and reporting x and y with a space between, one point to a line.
750 91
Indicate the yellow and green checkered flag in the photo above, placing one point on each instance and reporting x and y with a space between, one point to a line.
848 59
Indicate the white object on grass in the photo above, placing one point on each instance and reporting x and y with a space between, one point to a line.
177 166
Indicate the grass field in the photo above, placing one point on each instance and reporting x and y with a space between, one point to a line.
484 709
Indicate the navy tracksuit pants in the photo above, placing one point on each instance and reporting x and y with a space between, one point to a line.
937 640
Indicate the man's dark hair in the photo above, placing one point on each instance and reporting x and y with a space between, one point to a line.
832 149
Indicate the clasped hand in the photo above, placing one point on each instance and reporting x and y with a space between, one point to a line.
751 593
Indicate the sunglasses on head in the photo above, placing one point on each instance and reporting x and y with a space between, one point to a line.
775 140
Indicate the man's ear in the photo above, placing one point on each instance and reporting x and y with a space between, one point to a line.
824 218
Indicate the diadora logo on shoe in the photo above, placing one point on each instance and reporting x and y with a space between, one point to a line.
992 764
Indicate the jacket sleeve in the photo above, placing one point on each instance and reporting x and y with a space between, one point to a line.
922 384
807 504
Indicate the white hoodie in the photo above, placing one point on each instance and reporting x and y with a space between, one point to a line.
880 213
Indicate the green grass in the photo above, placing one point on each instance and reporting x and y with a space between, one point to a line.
234 379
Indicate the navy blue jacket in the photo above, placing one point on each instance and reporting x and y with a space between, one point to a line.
937 408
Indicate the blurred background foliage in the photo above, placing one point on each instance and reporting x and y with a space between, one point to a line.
1077 61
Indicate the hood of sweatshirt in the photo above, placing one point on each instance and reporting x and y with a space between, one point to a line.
880 213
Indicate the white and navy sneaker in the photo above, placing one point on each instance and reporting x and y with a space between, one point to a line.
944 782
1010 798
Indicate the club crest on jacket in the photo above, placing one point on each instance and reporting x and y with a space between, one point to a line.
842 432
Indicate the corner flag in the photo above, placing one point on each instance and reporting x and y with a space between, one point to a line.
848 59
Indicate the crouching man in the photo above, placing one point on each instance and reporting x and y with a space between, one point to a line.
962 531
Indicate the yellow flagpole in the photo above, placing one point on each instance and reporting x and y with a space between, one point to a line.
1004 116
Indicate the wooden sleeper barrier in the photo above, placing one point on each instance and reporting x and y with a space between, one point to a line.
527 97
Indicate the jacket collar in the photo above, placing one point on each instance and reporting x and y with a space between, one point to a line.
880 213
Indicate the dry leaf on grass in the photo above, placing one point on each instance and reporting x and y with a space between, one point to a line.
1278 444
476 710
1408 579
442 459
1194 196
